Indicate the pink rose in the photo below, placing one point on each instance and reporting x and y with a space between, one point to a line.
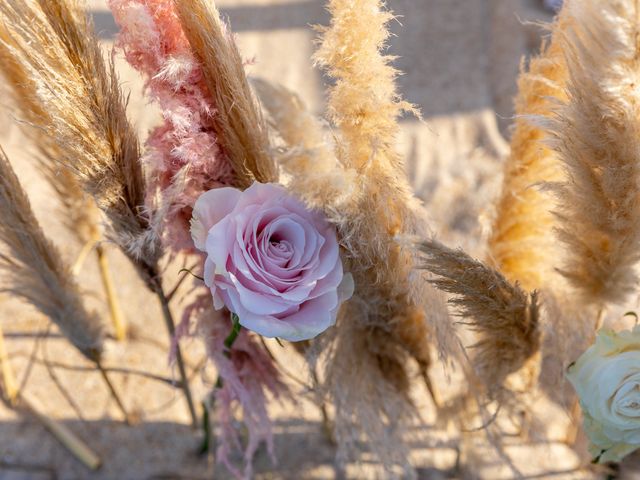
270 260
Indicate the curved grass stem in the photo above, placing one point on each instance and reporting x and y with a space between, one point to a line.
114 392
82 257
171 328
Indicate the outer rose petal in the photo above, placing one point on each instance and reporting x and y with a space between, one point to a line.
313 318
209 209
209 280
262 194
346 288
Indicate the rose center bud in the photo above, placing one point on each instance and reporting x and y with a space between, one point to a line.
629 400
279 249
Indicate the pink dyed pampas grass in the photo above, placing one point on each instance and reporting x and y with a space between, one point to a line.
248 374
183 155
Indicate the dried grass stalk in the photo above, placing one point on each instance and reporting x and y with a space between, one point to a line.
55 44
521 245
596 133
364 107
239 125
504 316
33 270
80 213
307 159
10 387
367 407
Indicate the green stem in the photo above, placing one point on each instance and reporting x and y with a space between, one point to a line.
233 335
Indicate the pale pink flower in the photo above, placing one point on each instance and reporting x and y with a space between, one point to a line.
270 260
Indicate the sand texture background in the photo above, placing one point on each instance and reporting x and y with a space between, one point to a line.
460 59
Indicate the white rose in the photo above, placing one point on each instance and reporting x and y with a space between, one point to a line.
607 380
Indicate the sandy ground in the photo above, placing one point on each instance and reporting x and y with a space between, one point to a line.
460 59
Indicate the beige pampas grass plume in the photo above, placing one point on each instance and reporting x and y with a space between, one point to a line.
521 244
389 324
239 125
79 211
505 317
55 44
308 163
596 133
33 270
364 107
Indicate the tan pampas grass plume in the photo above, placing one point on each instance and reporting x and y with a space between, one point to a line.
33 270
521 245
55 44
390 325
239 125
504 316
79 211
364 107
596 133
309 166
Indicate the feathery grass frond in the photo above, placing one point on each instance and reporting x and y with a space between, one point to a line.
54 42
79 213
307 158
364 403
505 317
521 245
364 103
364 107
240 127
33 270
596 133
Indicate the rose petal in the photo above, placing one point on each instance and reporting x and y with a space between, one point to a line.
313 318
209 209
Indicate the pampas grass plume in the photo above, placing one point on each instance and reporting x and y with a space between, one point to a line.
32 269
183 156
56 44
240 126
390 322
80 213
364 106
596 133
521 245
504 316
